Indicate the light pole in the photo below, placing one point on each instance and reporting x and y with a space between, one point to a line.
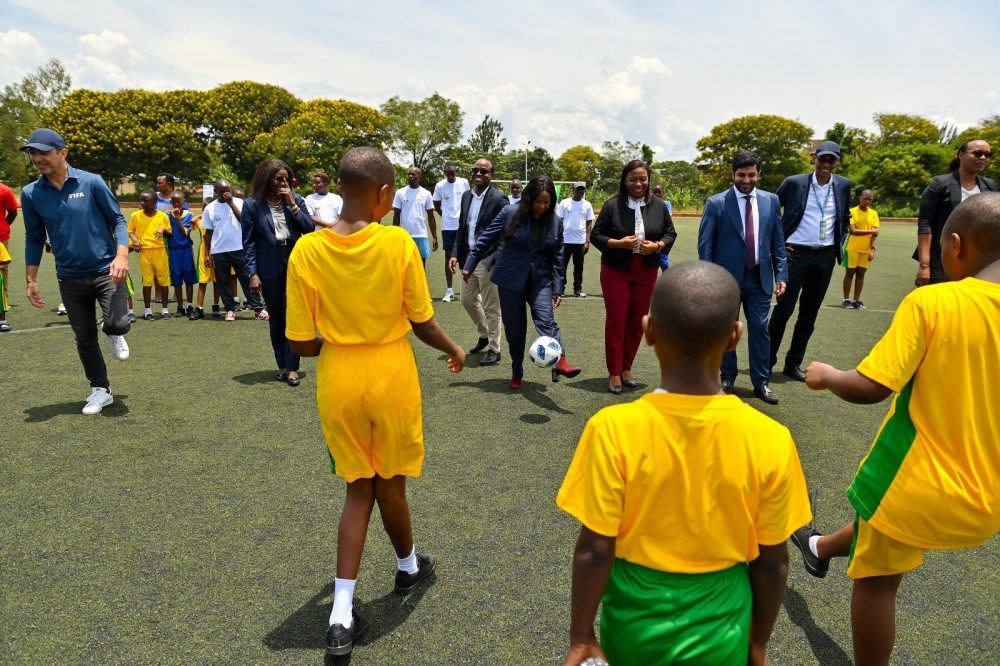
526 144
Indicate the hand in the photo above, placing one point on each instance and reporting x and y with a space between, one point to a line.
452 265
286 194
586 246
466 275
871 255
649 247
119 268
779 288
35 295
456 361
434 245
875 233
556 300
226 197
758 655
579 652
158 233
135 247
923 276
178 213
816 375
208 261
255 284
628 243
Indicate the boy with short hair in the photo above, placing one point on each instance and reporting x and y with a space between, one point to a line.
206 275
931 480
181 249
686 498
147 228
860 249
367 386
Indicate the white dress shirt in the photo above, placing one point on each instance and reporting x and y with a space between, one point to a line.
741 200
474 208
808 231
278 217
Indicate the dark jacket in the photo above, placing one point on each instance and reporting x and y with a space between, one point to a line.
940 197
722 237
519 258
609 225
793 194
493 202
260 245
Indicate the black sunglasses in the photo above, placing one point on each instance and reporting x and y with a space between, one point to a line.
482 171
980 154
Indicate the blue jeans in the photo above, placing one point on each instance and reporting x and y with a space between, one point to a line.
756 308
79 295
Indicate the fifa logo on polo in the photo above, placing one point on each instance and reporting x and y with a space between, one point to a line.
76 195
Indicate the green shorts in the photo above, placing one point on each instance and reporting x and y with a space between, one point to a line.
655 617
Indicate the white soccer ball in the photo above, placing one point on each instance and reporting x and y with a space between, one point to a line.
545 351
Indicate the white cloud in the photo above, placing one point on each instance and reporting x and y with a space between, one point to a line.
20 53
104 59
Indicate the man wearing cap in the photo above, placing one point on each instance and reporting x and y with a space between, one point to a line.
815 218
80 216
577 218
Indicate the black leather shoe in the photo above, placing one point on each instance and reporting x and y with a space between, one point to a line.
617 390
294 381
631 383
813 564
766 394
340 639
727 386
406 583
480 346
794 372
490 358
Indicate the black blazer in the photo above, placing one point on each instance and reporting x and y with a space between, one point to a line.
260 245
493 202
519 258
793 194
940 197
609 225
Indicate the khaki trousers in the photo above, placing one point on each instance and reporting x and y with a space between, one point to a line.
485 314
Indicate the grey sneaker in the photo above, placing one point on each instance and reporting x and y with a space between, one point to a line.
858 305
846 304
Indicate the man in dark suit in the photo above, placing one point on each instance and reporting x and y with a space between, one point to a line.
741 231
480 297
815 221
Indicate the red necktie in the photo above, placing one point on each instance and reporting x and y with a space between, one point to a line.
751 259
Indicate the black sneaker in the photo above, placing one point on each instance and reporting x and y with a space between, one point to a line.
340 639
194 314
858 305
131 317
406 583
190 310
148 316
215 311
846 304
180 311
813 564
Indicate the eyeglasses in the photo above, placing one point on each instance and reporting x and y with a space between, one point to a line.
482 171
827 159
980 154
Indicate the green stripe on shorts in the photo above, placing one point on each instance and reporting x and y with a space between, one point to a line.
656 617
879 469
128 285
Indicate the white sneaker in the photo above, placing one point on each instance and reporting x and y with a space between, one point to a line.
448 297
98 400
119 348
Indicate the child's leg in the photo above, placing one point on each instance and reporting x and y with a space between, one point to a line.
859 283
354 527
179 297
873 619
837 544
190 294
146 295
395 511
202 288
165 297
848 277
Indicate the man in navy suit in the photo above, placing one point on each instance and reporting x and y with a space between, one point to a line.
815 221
741 231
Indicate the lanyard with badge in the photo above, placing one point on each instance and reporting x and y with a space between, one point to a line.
822 208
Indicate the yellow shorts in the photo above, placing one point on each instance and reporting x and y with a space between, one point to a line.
205 274
858 260
153 265
370 409
875 554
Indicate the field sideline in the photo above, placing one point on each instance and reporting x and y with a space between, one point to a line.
194 521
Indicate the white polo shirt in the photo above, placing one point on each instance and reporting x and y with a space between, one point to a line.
413 204
450 196
227 234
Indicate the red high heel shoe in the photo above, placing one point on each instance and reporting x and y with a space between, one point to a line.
515 383
565 369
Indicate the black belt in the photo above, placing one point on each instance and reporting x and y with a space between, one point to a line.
283 242
809 249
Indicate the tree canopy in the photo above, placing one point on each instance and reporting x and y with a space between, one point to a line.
423 132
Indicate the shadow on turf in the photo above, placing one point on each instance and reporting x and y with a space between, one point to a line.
262 377
305 629
49 412
825 649
600 385
534 392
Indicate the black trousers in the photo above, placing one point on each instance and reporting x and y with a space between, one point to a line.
576 252
809 273
275 292
224 263
80 295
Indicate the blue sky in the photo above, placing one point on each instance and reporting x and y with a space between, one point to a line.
556 73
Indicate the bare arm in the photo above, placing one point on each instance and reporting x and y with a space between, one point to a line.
848 385
307 347
11 216
768 576
592 563
395 217
432 226
431 334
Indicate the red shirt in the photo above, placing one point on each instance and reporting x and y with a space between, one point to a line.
8 202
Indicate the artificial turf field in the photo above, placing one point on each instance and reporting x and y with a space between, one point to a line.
194 521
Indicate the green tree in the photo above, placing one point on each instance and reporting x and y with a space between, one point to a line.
579 163
900 129
541 163
423 132
900 171
989 131
781 143
487 137
676 174
21 105
318 135
236 113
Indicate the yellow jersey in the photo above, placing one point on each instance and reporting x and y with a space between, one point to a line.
144 226
863 220
686 483
932 476
362 289
4 255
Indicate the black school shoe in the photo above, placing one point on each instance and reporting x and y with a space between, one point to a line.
215 311
813 564
406 583
340 639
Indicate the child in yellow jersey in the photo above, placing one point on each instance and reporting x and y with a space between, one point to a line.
931 479
860 249
146 228
687 497
354 292
4 305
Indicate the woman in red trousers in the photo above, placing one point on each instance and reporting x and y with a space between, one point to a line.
631 231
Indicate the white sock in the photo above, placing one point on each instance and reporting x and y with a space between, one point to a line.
451 290
131 311
408 563
149 311
343 602
813 540
166 310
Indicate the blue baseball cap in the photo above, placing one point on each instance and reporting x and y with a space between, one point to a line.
44 140
828 148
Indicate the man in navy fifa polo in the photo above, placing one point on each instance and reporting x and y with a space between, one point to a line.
81 218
